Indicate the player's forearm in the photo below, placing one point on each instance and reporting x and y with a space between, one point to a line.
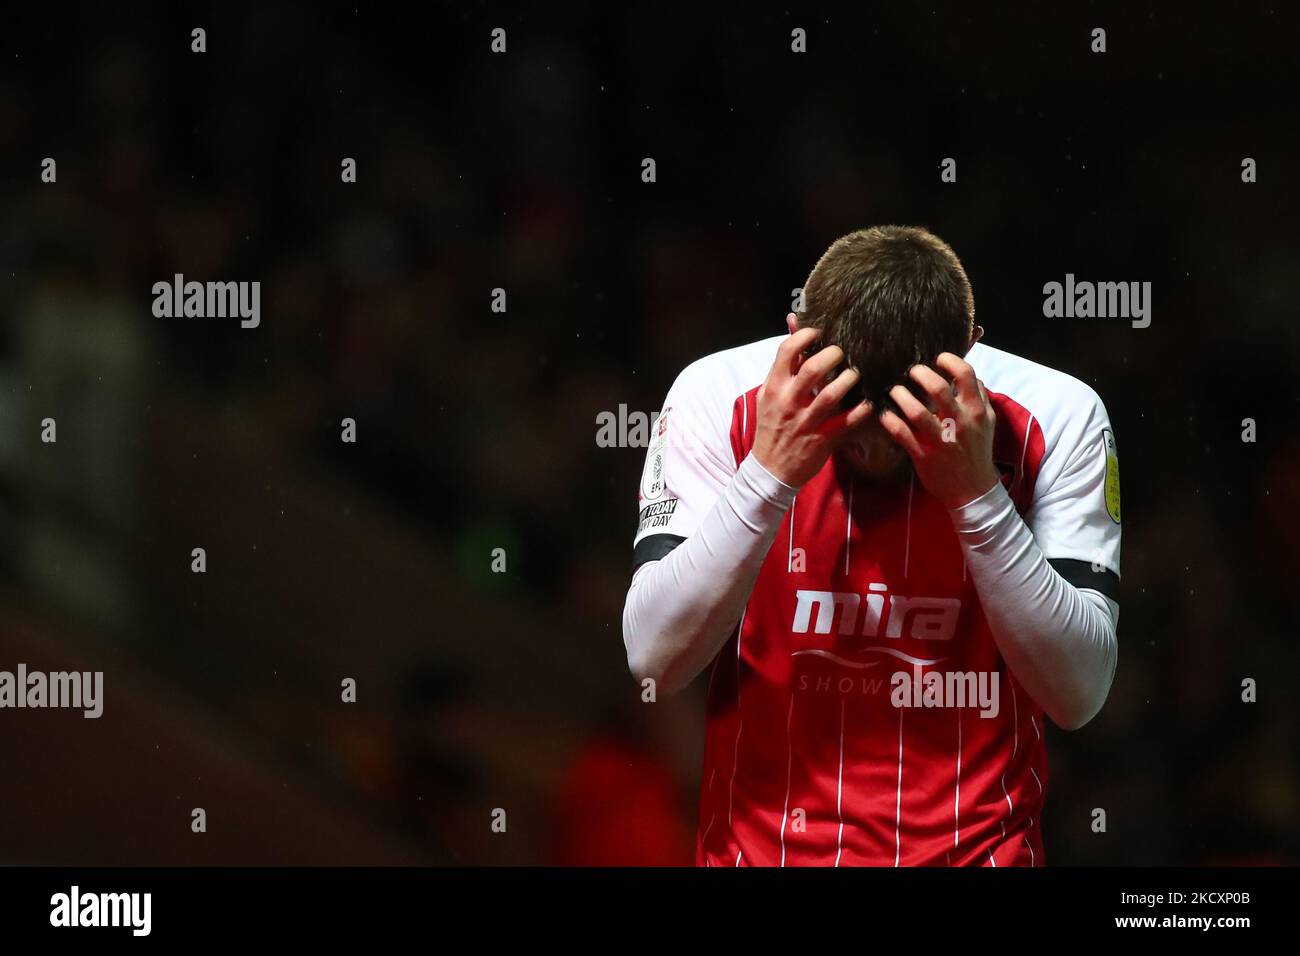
1058 640
681 609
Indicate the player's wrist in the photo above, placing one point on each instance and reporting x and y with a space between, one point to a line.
773 486
973 489
981 508
774 466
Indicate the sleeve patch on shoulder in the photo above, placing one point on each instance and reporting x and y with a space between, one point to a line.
652 479
657 515
1112 476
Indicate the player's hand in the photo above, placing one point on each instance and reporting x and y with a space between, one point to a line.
799 410
951 441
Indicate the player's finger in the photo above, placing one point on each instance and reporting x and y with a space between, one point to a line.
937 387
921 419
790 355
817 367
858 414
829 397
846 420
961 373
985 405
898 430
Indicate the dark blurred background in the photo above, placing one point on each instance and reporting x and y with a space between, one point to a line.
476 430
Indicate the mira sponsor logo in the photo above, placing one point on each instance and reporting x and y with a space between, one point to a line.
875 614
74 908
879 614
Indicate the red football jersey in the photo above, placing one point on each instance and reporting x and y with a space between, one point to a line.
862 714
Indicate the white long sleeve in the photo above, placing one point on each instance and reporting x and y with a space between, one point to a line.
1059 640
681 609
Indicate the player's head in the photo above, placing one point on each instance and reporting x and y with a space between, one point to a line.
891 297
